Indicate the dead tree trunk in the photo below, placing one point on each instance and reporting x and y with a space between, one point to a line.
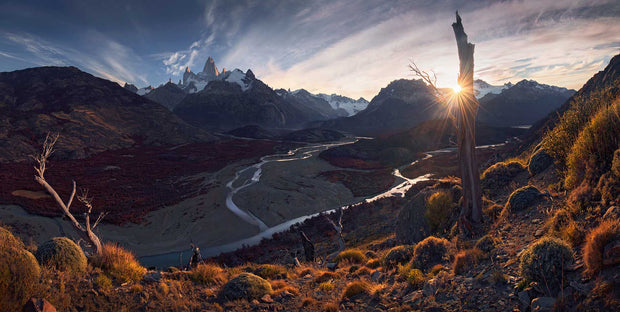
471 211
86 231
308 247
341 245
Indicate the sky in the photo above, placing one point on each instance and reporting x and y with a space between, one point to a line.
349 47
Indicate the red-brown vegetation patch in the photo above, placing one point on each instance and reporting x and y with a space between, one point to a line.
353 163
130 182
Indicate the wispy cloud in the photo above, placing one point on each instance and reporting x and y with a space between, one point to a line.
105 57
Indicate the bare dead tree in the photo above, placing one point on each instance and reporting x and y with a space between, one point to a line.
85 231
341 245
308 247
471 211
465 121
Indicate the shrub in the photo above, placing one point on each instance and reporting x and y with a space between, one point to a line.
592 153
19 272
326 287
522 198
356 288
466 259
430 251
62 254
207 274
119 263
438 210
398 255
271 271
352 256
562 226
606 232
539 161
415 278
486 243
499 176
608 187
326 276
163 288
103 282
615 163
544 262
581 197
246 286
330 307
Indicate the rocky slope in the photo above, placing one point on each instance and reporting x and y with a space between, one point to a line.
168 95
91 114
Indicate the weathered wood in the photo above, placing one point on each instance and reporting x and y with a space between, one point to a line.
471 210
85 232
308 247
338 227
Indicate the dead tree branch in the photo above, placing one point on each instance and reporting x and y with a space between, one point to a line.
338 227
85 230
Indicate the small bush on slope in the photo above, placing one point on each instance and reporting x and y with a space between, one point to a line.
544 262
522 198
430 251
608 231
246 286
19 272
62 254
352 256
499 175
398 255
466 259
438 209
593 151
119 263
207 274
356 288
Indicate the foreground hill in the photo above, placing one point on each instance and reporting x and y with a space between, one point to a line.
91 114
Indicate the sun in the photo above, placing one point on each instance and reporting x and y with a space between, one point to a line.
456 89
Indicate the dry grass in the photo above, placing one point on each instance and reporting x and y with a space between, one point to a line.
356 288
281 286
308 301
326 287
119 263
596 241
352 256
429 252
208 274
270 271
466 259
326 276
330 307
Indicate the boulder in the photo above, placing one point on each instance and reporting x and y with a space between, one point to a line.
411 225
523 198
246 286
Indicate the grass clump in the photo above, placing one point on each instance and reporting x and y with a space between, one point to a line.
271 271
615 163
415 278
438 210
373 263
19 272
398 255
326 287
246 286
499 176
351 256
326 276
592 153
62 254
562 226
486 243
522 198
207 274
356 288
466 259
593 255
103 282
429 252
330 307
544 262
119 263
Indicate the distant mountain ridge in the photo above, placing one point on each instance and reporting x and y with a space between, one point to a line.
91 114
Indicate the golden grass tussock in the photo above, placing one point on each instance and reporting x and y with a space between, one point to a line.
118 263
326 276
605 233
208 274
326 287
357 288
466 259
352 256
439 207
330 307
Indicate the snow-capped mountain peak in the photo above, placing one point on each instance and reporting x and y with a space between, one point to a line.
348 104
482 88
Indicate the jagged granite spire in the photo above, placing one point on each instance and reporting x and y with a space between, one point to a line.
210 70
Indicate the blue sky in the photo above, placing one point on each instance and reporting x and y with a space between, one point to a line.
348 47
